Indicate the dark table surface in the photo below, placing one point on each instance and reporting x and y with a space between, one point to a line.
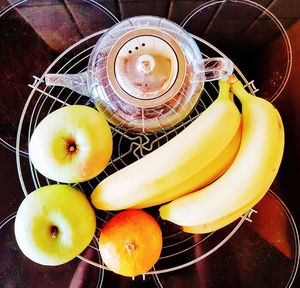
262 252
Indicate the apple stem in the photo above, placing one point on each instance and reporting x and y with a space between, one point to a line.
71 145
72 148
54 232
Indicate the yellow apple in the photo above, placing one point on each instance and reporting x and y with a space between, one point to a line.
71 144
54 224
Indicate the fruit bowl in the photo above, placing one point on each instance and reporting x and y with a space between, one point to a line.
179 249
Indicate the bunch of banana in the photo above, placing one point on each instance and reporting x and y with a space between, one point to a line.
192 159
248 178
203 177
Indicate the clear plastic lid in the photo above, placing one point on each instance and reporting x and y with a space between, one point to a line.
141 71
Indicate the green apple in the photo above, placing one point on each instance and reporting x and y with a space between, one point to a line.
71 144
54 224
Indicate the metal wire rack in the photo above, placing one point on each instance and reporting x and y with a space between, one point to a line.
179 249
271 16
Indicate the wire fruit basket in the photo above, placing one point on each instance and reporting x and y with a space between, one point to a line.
179 249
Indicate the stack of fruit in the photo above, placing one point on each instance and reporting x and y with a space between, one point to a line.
206 177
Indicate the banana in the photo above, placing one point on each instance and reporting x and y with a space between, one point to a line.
248 178
174 162
205 176
213 225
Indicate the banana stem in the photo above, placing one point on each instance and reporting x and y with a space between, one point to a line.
237 88
224 87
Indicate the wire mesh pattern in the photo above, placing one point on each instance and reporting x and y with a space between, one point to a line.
179 249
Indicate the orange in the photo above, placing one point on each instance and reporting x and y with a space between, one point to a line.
130 243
